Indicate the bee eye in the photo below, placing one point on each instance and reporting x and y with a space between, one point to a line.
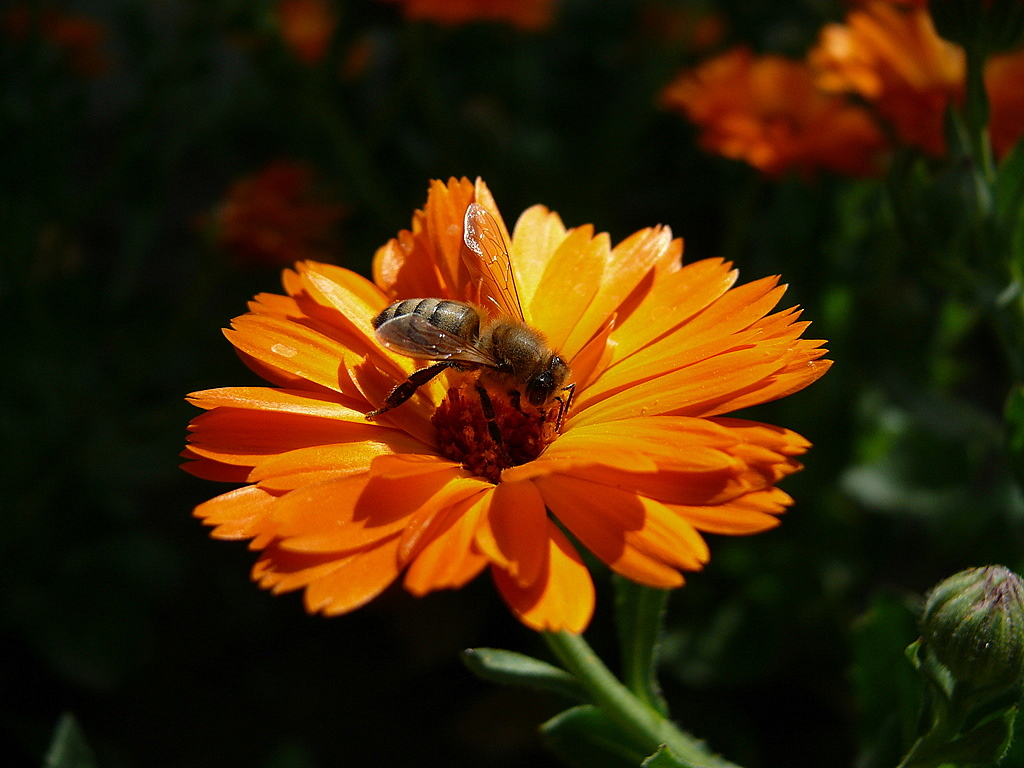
540 388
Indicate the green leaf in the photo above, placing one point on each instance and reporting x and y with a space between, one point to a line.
67 747
640 612
583 736
510 668
983 746
886 689
1014 415
1009 187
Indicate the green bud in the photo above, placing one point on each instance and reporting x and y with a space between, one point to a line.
974 624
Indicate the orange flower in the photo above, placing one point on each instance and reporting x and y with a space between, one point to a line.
525 14
892 57
645 458
1004 74
307 27
766 110
277 217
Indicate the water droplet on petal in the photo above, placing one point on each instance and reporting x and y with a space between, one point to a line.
284 350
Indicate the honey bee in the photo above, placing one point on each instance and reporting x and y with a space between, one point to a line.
493 339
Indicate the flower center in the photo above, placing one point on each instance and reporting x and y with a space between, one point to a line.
465 433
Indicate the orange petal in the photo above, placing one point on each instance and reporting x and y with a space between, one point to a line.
334 585
537 235
351 512
282 400
353 306
450 559
730 322
293 349
672 300
631 269
512 532
444 214
593 358
440 512
752 513
744 375
677 487
562 597
638 445
239 514
276 305
673 443
307 466
566 287
434 243
805 368
669 538
762 455
601 516
357 294
247 437
324 518
213 470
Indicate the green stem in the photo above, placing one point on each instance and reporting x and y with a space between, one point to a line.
616 701
976 112
639 634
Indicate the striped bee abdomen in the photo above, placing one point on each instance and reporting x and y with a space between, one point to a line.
454 317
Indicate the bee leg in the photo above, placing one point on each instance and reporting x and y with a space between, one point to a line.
408 388
563 404
492 424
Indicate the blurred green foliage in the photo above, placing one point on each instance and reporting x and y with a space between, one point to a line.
785 652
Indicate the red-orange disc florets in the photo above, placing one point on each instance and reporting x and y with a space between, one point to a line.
464 432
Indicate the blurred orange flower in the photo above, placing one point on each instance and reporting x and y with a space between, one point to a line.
78 38
307 27
694 29
891 56
767 111
1004 83
525 14
277 217
644 460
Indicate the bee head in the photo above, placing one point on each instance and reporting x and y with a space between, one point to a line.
541 387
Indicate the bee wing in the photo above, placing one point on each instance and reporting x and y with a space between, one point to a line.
489 263
415 336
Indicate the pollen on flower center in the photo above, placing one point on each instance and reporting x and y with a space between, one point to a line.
464 432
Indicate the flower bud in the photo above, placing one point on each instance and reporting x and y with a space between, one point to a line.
974 624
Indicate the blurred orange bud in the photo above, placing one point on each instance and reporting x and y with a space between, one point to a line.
525 14
79 39
307 27
277 217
